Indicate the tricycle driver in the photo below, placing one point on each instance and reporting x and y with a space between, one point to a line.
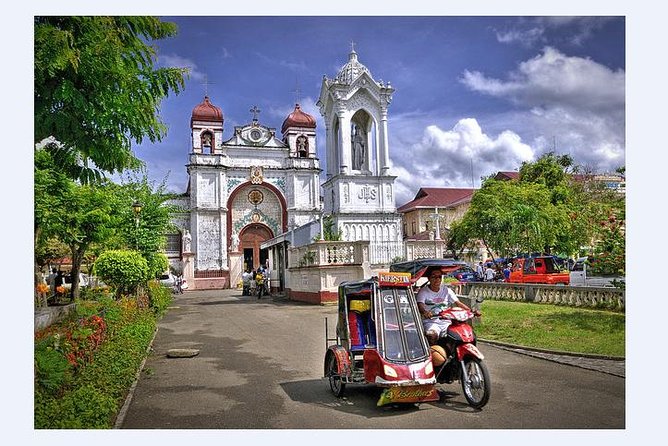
432 299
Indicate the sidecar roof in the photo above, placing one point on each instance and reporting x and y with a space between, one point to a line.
417 268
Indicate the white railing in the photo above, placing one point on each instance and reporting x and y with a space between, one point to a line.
325 253
424 249
576 296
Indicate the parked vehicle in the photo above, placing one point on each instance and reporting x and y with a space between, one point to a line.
167 279
580 275
537 270
83 281
463 274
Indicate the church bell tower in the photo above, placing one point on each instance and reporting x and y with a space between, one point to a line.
359 192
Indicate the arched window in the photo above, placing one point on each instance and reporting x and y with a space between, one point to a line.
302 146
207 141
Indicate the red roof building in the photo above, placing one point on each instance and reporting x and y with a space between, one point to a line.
432 211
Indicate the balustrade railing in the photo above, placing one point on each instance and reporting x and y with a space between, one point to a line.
325 253
575 296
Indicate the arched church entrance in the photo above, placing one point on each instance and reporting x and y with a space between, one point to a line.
250 239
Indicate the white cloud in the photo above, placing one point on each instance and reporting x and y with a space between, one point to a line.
553 79
174 60
526 37
458 157
568 104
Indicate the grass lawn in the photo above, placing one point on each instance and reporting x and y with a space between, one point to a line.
553 327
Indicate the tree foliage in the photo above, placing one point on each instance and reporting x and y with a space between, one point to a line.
549 209
90 219
97 90
124 270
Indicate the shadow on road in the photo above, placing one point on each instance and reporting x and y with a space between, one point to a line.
361 399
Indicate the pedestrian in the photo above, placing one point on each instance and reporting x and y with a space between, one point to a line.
59 279
489 273
51 280
480 272
506 272
267 276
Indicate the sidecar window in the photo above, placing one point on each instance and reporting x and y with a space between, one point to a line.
402 337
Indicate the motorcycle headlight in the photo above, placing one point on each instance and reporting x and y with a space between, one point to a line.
389 371
429 368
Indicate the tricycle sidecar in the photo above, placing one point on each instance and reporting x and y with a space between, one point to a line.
380 340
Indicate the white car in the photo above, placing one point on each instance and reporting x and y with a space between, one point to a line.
167 279
83 281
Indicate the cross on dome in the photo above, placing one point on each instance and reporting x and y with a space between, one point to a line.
255 112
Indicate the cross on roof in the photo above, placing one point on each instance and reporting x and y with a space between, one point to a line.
255 112
297 91
206 84
352 46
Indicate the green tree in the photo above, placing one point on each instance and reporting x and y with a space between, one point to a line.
87 219
146 231
512 217
97 90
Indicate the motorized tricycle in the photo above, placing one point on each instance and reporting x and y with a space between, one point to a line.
380 340
455 355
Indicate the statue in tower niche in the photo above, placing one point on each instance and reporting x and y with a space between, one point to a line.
359 151
186 241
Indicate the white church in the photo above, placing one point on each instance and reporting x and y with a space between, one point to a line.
254 189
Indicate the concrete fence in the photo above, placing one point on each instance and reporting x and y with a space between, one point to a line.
575 296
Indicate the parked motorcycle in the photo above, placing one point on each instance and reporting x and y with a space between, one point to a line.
463 361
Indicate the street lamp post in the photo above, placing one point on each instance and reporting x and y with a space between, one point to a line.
136 208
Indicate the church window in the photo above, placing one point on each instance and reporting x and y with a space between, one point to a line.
173 244
413 231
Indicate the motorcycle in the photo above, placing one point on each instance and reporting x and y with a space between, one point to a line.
259 285
463 361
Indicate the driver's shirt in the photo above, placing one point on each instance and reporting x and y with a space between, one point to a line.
437 301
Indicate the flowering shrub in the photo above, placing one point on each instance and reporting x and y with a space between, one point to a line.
42 288
77 340
73 396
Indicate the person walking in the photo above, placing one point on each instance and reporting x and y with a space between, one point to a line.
480 272
489 273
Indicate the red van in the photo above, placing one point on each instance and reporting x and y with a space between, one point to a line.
537 270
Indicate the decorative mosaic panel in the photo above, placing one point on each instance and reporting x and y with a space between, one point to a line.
208 242
269 210
207 192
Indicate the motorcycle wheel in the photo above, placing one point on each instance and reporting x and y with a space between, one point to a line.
335 383
478 386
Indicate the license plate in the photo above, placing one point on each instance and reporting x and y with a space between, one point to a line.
408 394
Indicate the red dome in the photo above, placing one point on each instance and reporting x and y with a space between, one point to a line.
298 119
206 111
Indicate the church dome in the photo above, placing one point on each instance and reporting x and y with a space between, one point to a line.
206 111
350 71
298 119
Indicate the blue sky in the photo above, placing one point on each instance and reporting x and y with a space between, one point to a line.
474 94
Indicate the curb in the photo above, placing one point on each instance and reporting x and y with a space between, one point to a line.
554 352
120 417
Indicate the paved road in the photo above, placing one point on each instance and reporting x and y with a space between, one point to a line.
260 367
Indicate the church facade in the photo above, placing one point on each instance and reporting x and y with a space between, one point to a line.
243 190
252 188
